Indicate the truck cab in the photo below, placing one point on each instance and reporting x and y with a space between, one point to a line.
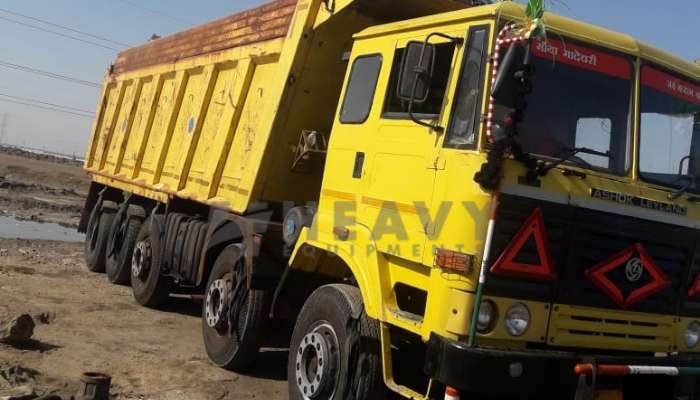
528 246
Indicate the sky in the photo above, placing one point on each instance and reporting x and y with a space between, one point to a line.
670 25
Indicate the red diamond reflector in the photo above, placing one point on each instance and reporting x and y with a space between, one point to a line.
506 264
659 281
694 291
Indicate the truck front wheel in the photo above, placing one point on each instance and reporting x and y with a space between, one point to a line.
233 316
97 235
335 352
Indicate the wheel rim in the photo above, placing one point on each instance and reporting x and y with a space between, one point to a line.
215 304
141 259
225 313
317 363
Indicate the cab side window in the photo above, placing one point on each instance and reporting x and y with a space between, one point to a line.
394 107
361 87
464 123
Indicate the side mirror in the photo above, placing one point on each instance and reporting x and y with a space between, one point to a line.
416 72
507 89
694 166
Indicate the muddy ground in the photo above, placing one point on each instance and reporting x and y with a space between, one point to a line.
86 324
40 190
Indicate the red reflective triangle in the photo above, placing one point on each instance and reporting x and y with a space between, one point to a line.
506 264
659 281
695 290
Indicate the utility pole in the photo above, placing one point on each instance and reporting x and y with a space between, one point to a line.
3 129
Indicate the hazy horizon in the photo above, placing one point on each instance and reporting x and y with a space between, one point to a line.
129 22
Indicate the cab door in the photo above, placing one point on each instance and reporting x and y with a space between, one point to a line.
395 159
404 157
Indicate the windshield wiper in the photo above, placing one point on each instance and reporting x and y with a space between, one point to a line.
687 186
567 155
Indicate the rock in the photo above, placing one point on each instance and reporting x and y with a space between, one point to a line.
18 393
19 329
4 252
4 384
17 375
44 318
27 251
16 383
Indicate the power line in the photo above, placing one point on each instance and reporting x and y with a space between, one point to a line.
46 108
65 27
154 12
58 33
48 74
44 103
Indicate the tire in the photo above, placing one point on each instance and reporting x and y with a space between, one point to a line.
150 287
232 338
334 355
120 246
97 235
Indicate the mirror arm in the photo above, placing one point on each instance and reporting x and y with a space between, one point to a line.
413 116
680 164
420 73
456 40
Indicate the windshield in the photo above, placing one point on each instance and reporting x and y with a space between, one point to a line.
670 126
581 98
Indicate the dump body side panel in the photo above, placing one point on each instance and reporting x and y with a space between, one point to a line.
233 190
214 114
133 149
177 117
268 22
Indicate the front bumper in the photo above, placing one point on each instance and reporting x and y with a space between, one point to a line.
534 374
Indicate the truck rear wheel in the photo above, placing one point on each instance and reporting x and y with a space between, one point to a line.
150 287
233 317
120 246
335 353
97 235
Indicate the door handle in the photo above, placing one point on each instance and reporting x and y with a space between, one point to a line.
359 165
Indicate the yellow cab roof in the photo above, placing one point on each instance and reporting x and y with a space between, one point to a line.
508 10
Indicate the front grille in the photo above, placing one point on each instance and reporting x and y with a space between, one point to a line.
608 329
597 236
581 238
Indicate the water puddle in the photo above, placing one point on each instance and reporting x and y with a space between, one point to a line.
11 228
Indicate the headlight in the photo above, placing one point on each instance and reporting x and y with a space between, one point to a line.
517 319
692 335
487 316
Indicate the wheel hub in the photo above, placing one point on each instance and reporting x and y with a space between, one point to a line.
316 362
141 259
215 302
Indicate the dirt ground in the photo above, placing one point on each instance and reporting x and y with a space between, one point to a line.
86 324
40 190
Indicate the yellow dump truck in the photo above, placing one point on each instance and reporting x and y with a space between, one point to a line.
436 197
